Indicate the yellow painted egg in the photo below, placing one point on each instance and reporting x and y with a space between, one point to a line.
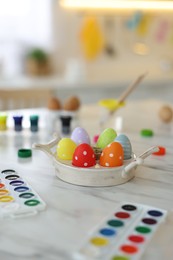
65 149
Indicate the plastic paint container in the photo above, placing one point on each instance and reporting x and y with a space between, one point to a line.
18 123
3 122
66 124
34 119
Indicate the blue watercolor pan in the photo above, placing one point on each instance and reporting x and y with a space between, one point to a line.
17 197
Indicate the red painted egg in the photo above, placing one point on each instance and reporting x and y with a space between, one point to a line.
84 156
112 155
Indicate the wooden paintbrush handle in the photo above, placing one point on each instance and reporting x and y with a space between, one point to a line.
131 88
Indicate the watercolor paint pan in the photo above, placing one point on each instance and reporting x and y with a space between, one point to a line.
123 235
17 197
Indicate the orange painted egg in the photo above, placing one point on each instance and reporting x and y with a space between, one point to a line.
112 155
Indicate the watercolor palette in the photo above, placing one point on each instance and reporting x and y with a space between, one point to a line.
17 198
124 235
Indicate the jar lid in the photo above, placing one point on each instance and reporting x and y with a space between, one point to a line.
147 132
34 117
24 153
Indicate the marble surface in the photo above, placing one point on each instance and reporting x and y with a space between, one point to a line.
72 212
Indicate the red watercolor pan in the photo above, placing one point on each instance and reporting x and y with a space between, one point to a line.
124 234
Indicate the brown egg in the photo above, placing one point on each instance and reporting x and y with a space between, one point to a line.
72 104
166 114
54 103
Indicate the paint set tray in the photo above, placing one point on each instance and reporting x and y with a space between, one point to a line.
17 197
123 235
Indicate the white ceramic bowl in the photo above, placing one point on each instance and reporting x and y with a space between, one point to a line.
96 176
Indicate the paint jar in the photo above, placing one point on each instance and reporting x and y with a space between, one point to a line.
65 124
34 119
18 123
3 122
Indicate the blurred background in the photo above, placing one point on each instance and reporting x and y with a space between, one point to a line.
93 55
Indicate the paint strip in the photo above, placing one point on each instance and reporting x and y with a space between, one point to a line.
124 234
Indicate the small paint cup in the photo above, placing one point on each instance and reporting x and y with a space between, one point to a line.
3 122
65 124
18 123
34 119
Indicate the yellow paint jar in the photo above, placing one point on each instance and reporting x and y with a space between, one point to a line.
3 122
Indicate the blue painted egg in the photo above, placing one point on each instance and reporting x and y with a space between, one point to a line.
126 144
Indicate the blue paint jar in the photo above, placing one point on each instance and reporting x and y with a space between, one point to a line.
18 123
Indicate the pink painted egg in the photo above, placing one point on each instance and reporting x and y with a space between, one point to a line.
84 156
112 155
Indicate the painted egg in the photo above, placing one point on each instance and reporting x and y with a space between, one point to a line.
126 144
106 137
80 136
84 156
112 155
95 139
65 149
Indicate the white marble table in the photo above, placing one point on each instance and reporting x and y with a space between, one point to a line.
73 211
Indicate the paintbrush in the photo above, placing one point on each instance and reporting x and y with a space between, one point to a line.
122 98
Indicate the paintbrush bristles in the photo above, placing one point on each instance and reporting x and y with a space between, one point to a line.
131 88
